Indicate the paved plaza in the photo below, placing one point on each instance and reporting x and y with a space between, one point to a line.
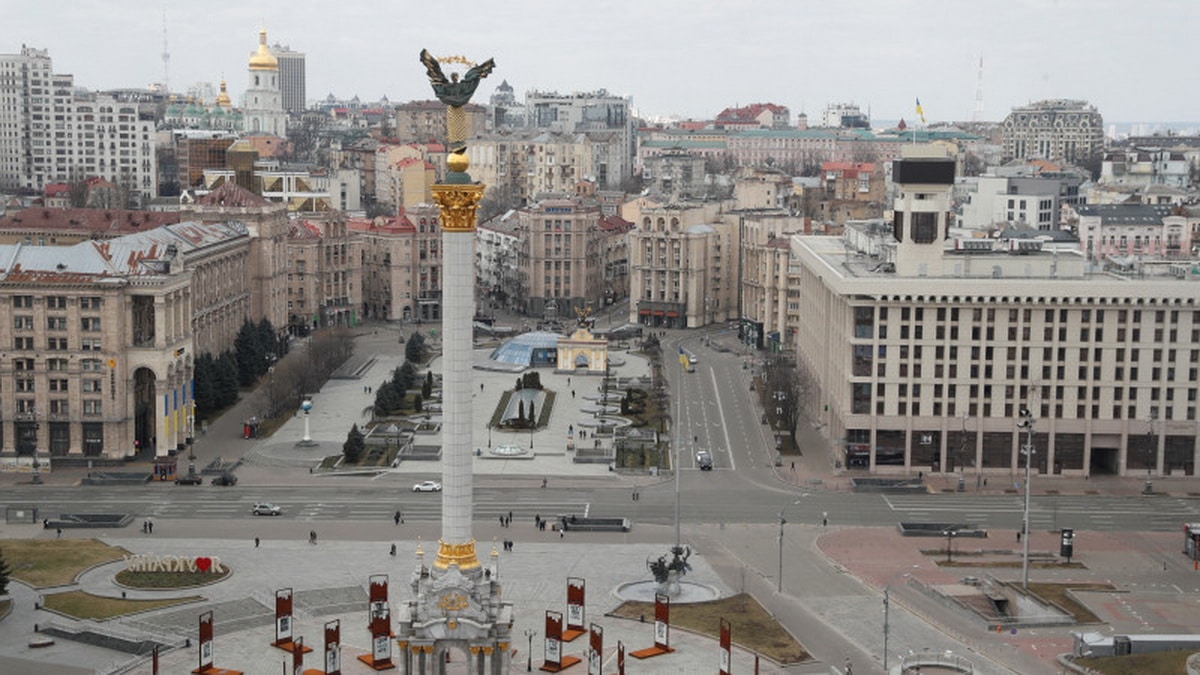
831 597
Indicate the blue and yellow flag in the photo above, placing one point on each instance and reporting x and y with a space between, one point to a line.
920 112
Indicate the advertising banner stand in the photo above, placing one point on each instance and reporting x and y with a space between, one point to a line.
379 622
662 629
595 654
726 647
555 660
575 596
284 623
333 651
206 666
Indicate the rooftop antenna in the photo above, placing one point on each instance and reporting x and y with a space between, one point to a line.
977 115
166 58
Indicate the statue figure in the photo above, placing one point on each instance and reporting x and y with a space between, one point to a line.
582 315
667 574
454 92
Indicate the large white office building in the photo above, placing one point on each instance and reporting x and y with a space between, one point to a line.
920 359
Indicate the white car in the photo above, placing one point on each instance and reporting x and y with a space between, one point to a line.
267 509
428 486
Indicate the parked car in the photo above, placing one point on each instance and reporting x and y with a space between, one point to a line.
189 479
428 486
225 479
266 509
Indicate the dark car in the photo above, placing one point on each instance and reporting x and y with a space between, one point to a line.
225 479
704 460
189 479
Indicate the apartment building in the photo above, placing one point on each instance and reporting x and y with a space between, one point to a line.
51 132
293 83
1146 166
324 272
559 262
401 264
1007 196
1057 129
922 360
683 264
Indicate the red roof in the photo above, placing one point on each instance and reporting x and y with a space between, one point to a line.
614 225
56 190
113 222
748 114
232 194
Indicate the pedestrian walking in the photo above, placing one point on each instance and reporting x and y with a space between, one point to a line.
510 516
561 533
396 518
256 542
150 526
58 533
501 521
393 551
312 537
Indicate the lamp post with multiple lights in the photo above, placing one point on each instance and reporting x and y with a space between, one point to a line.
1026 425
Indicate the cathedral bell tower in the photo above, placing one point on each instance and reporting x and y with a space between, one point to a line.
263 105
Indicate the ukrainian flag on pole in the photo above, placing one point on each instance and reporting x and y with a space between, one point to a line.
920 112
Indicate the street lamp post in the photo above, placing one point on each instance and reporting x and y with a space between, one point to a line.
949 545
1151 452
962 452
779 579
782 522
529 633
1026 424
191 440
886 605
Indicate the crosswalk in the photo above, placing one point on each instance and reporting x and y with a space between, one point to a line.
1048 512
418 510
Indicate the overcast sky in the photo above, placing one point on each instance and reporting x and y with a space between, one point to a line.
1132 60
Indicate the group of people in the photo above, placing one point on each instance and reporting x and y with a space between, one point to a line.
506 521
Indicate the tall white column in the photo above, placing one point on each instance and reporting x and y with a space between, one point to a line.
458 199
458 309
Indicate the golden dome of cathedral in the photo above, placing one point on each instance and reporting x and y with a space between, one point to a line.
223 97
263 59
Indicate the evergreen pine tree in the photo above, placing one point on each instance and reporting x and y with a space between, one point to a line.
354 446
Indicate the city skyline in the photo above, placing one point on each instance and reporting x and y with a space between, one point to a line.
881 58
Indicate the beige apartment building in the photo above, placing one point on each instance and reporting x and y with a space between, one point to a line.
921 360
401 265
104 329
324 270
559 259
683 264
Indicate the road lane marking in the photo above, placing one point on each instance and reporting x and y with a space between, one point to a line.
721 415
